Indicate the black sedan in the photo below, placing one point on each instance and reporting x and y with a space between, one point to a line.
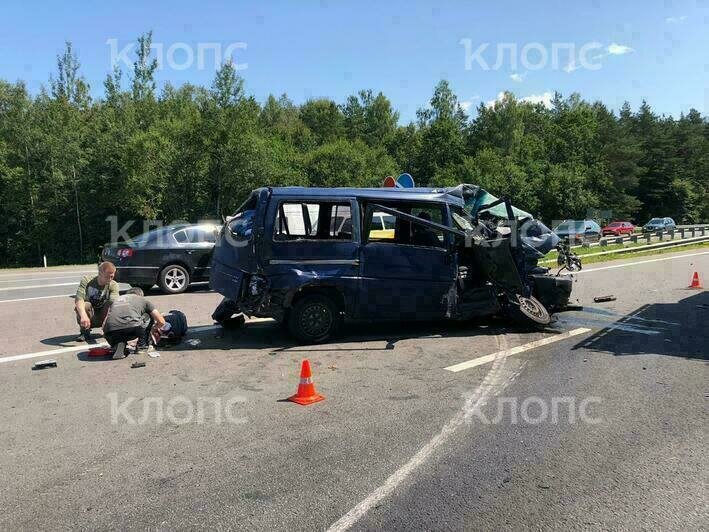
171 257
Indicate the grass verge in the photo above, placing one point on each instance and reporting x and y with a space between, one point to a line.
633 254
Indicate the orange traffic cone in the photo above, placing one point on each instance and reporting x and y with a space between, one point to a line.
306 393
696 283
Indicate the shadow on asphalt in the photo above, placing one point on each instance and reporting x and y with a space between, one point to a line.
270 335
67 340
670 329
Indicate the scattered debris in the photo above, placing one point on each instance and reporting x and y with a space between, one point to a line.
194 342
603 299
333 367
137 364
42 364
153 354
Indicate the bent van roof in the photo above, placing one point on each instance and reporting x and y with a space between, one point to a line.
420 194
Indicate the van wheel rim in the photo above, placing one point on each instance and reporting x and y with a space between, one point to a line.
175 279
316 320
533 309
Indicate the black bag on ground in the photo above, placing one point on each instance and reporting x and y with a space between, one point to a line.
178 328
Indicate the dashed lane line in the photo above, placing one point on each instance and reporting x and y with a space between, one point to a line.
516 350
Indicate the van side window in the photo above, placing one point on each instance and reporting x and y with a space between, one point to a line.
384 227
313 221
340 222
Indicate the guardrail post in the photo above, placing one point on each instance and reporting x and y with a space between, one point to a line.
671 232
634 239
603 242
661 235
619 240
648 237
703 229
692 229
681 233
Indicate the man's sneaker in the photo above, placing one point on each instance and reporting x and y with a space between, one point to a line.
120 351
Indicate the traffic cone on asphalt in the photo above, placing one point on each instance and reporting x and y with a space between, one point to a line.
696 283
306 393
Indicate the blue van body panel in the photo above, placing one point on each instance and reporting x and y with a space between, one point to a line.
226 281
374 280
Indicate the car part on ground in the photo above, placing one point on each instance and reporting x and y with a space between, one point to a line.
44 364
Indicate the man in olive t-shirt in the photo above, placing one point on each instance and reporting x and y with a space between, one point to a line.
92 299
130 316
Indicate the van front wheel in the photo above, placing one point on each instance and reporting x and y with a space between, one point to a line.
313 319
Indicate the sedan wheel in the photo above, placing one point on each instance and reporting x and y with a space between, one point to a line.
174 279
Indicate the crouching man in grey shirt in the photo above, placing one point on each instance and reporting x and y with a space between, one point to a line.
130 316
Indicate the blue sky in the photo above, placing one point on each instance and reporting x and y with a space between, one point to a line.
653 50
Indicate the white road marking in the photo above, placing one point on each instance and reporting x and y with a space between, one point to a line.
39 276
639 262
42 279
516 350
33 298
85 347
494 382
52 352
37 286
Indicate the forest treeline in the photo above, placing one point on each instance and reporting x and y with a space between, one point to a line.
69 161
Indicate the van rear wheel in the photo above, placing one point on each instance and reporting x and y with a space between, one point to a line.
313 319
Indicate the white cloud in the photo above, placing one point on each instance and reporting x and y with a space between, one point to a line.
676 20
499 97
517 78
466 104
619 49
545 99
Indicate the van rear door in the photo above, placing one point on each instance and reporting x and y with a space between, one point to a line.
235 251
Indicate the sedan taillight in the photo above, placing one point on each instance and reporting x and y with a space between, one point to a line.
125 252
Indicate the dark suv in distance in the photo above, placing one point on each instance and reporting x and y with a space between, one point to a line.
659 224
171 257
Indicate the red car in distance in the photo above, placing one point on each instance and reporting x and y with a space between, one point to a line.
618 229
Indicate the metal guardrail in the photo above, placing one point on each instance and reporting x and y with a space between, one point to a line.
648 247
683 232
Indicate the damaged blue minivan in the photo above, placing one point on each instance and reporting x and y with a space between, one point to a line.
314 257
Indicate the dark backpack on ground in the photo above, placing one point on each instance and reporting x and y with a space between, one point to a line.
178 328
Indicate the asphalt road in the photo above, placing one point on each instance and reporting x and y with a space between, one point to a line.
601 426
